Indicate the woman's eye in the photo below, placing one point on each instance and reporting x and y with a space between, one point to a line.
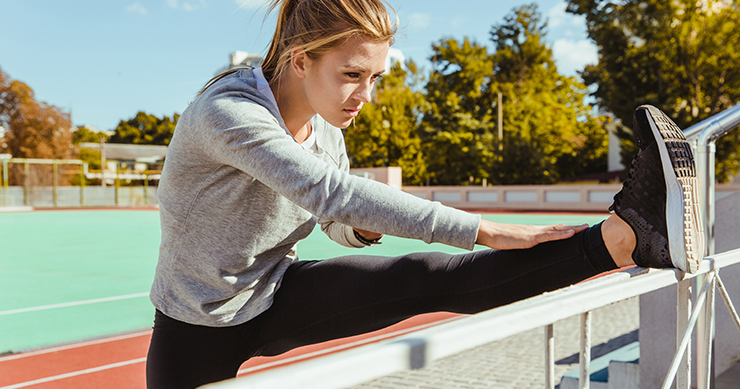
377 77
353 75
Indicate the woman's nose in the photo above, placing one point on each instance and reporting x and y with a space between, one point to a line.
364 92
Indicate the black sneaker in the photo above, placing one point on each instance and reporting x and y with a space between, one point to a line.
659 198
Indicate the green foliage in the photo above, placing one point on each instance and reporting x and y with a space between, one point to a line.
88 135
33 129
457 128
548 131
384 134
545 115
145 129
680 56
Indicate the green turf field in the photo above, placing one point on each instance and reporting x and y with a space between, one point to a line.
70 275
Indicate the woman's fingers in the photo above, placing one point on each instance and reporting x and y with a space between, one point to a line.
519 236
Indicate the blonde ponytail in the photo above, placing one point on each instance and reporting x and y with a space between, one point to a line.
318 26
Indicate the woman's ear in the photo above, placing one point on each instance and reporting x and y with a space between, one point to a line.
299 62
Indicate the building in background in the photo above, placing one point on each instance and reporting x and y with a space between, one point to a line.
241 58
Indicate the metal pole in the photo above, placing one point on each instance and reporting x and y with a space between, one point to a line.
500 122
683 314
683 381
706 372
5 181
708 132
549 356
82 185
117 185
26 189
728 302
55 182
103 162
584 380
146 187
729 115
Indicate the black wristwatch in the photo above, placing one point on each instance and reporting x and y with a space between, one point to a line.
365 241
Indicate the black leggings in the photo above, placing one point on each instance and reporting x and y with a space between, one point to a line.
339 297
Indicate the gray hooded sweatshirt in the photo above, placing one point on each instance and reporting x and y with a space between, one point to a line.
238 192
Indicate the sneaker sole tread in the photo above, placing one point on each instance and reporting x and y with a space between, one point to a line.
686 243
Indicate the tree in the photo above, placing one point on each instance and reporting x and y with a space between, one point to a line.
86 134
457 125
548 131
145 129
384 134
32 129
680 56
91 156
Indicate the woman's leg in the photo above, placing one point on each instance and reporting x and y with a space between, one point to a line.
185 356
334 298
323 300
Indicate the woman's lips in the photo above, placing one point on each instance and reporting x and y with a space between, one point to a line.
352 112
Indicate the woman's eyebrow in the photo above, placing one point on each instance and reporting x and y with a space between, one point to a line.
357 68
361 69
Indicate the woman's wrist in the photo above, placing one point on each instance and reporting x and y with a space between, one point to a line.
367 241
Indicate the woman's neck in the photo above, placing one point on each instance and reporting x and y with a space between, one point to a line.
293 106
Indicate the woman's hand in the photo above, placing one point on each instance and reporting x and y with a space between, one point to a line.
519 236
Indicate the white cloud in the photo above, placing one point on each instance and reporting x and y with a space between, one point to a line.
251 3
186 6
419 20
459 21
571 56
137 8
194 6
394 55
558 17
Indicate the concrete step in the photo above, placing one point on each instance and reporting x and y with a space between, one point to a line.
618 369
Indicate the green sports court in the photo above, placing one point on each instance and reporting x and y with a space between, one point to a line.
69 275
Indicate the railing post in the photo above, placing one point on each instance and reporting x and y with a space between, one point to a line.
146 187
705 363
117 185
706 150
26 184
82 185
728 302
55 182
683 313
5 182
584 380
550 356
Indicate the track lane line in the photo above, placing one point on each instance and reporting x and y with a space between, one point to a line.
73 303
74 373
74 345
262 366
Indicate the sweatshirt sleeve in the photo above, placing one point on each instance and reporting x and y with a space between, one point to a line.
340 233
241 133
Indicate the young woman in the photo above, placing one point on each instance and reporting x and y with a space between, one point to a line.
258 159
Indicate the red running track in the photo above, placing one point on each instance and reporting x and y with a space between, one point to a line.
119 361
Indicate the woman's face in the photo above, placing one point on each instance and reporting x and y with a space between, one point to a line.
339 83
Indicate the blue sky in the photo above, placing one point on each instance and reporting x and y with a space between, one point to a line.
103 61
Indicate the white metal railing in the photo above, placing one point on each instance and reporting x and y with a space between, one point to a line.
417 350
704 135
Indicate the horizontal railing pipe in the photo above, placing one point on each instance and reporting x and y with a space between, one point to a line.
724 118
